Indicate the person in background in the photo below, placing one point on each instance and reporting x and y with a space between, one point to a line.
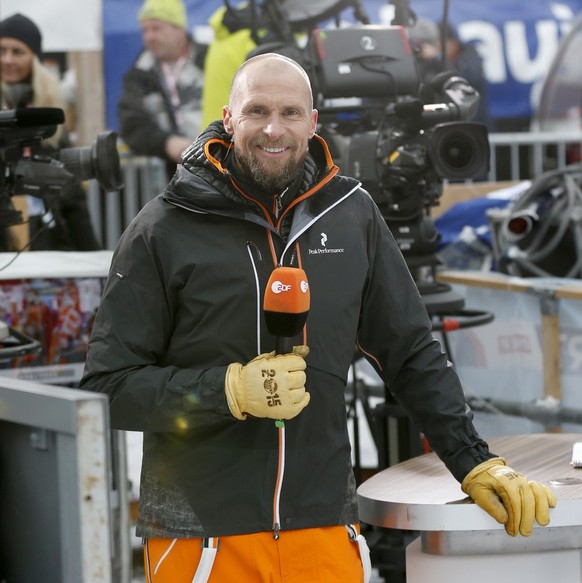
62 223
425 41
462 58
226 53
246 470
160 104
240 32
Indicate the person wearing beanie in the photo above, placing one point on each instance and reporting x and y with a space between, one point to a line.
23 29
160 105
25 80
171 11
64 223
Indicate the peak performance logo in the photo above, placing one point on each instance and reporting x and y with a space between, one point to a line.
323 250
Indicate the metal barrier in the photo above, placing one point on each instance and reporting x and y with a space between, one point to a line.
527 155
514 156
60 514
111 212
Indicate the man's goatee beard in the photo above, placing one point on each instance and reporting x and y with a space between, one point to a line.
274 181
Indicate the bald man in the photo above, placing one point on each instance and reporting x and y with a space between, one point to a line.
246 472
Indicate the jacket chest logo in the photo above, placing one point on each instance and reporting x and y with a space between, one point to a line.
323 248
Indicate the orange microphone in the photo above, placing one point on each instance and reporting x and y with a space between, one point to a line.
286 305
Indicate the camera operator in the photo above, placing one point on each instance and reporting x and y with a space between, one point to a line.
62 223
426 36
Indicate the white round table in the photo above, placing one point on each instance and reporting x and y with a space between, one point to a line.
459 541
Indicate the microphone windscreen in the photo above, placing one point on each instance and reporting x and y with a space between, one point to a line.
287 301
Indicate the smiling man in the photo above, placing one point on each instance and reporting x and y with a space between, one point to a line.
273 122
235 484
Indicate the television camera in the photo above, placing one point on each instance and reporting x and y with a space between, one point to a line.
401 137
26 169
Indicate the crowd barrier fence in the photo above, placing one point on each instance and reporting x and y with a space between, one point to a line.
514 156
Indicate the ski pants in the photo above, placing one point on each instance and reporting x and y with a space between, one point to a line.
335 554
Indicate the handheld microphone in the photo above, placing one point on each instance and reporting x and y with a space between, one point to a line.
30 117
286 305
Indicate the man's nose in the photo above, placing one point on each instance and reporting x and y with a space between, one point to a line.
274 127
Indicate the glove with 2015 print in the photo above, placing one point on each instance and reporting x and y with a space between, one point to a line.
271 385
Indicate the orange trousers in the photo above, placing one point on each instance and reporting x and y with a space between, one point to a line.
315 555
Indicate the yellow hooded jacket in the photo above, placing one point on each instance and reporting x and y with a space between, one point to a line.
225 54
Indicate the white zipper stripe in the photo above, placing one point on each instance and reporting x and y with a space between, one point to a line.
258 296
279 484
295 236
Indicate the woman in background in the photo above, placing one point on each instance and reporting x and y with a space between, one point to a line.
63 222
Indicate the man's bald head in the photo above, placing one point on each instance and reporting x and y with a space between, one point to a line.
270 63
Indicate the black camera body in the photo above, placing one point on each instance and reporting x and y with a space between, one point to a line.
401 148
27 169
399 135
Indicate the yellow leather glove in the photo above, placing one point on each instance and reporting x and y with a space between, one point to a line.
508 496
271 385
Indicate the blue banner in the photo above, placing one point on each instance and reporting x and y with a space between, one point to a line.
517 40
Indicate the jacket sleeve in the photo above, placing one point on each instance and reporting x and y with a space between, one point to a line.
395 334
127 358
138 126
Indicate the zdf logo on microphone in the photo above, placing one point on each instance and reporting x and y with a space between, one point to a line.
278 287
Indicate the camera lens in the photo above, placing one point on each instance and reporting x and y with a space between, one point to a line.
99 161
459 150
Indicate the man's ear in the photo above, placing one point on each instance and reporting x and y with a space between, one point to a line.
314 118
227 120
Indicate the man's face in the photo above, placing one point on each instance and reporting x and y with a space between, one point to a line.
271 120
15 59
163 40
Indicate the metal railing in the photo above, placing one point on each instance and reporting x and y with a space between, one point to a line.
111 212
527 155
514 156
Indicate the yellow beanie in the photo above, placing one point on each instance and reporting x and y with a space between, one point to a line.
171 11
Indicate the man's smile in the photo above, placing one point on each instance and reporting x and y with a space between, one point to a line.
273 150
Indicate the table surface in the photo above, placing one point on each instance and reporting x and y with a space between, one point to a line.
55 264
560 287
421 494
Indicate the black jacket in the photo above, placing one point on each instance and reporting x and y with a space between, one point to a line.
184 299
147 117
